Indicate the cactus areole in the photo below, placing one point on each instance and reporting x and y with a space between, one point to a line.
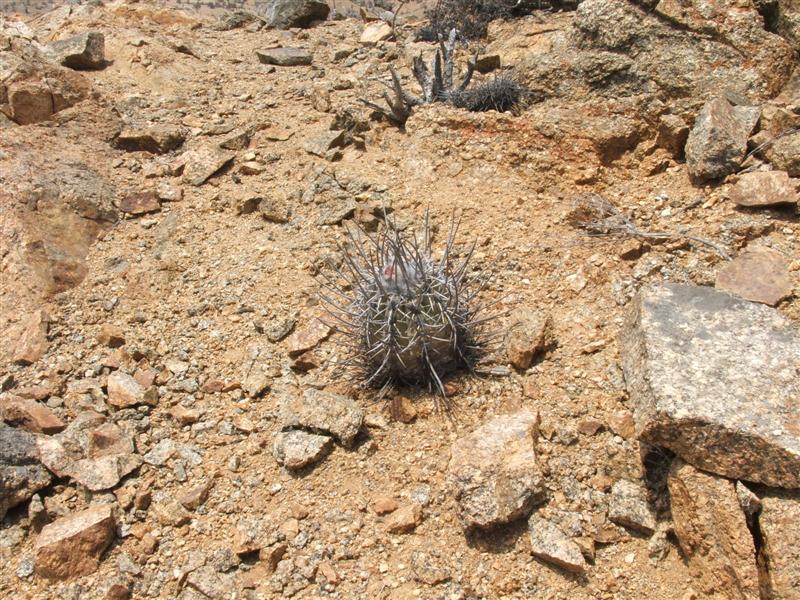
411 318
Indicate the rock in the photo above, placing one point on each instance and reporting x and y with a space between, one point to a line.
779 558
169 193
157 139
321 144
124 391
29 414
750 503
527 337
622 424
21 474
405 519
71 546
161 453
764 188
428 567
486 63
33 342
713 378
713 533
274 211
80 52
208 582
672 134
194 497
285 14
550 544
140 203
383 505
111 336
298 449
375 32
628 507
203 162
285 57
257 371
718 141
171 512
495 473
761 275
307 337
30 102
784 154
322 411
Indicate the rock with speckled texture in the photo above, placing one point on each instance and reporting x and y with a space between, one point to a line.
779 558
550 544
714 378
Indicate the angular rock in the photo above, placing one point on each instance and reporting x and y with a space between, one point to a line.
33 342
761 275
274 211
171 512
317 410
375 32
713 378
307 337
157 139
526 338
672 134
750 503
764 188
140 203
405 519
713 534
80 52
784 154
628 506
298 449
779 558
429 567
285 14
203 162
29 414
285 57
257 371
30 101
718 141
21 475
550 544
321 144
72 545
124 391
495 472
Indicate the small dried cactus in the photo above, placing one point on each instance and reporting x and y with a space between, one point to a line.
411 318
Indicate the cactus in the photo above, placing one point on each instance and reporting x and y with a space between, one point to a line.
411 319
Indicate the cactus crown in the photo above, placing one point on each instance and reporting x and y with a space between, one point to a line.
411 319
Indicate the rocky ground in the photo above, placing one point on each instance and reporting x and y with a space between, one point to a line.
177 422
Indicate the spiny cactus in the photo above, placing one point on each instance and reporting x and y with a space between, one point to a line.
410 318
501 94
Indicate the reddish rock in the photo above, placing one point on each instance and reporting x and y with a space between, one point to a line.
761 275
307 337
203 162
212 386
622 424
111 336
35 392
31 102
29 415
156 139
72 545
527 337
192 498
764 188
405 519
145 377
33 342
779 558
184 416
124 391
140 203
383 505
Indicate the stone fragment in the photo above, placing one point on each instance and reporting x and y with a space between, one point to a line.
285 14
784 154
124 391
320 145
80 52
764 188
550 544
405 519
495 473
257 371
203 162
298 449
622 424
72 545
157 139
750 503
526 338
21 474
672 134
307 337
713 378
111 336
429 567
274 210
713 533
318 410
140 203
195 496
208 582
718 141
628 506
33 343
169 193
29 414
171 512
761 275
779 558
377 31
285 57
383 505
30 102
486 63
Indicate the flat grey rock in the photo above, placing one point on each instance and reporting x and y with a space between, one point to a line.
320 411
550 544
298 449
714 378
21 474
285 57
628 507
284 14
